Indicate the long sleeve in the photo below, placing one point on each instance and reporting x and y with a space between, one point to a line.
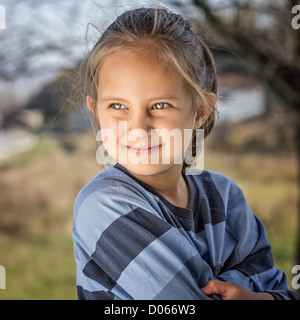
252 266
246 257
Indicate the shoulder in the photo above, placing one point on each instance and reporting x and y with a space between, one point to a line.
110 201
206 175
226 198
215 185
111 187
109 195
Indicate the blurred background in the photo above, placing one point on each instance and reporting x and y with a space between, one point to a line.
48 148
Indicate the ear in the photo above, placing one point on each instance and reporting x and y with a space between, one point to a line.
90 103
204 111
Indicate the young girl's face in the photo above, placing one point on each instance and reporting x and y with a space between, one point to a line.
147 107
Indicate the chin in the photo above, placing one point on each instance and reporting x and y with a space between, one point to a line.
146 169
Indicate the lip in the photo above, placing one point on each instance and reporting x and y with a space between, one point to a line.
138 150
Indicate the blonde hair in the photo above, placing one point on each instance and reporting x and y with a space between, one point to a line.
167 35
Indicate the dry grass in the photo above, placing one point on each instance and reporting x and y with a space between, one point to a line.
41 187
36 201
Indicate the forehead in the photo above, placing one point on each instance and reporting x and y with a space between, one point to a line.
138 70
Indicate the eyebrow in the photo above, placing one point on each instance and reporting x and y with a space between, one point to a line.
165 98
104 99
161 98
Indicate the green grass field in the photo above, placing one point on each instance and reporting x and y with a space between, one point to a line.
38 189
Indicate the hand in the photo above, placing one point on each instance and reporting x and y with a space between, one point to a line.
232 291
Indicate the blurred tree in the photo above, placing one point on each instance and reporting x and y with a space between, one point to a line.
42 39
46 35
261 34
31 44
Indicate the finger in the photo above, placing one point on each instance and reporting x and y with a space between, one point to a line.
215 287
210 288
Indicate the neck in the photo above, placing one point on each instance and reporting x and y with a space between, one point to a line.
170 184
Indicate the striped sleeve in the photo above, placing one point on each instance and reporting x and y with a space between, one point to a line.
249 262
125 250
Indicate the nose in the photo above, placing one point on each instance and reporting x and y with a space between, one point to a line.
140 120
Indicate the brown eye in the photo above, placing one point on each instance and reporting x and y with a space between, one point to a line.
161 105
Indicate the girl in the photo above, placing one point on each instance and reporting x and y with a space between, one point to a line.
144 229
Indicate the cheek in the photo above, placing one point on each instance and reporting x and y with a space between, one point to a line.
177 137
108 134
108 123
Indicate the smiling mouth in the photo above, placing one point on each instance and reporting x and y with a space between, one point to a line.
141 150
